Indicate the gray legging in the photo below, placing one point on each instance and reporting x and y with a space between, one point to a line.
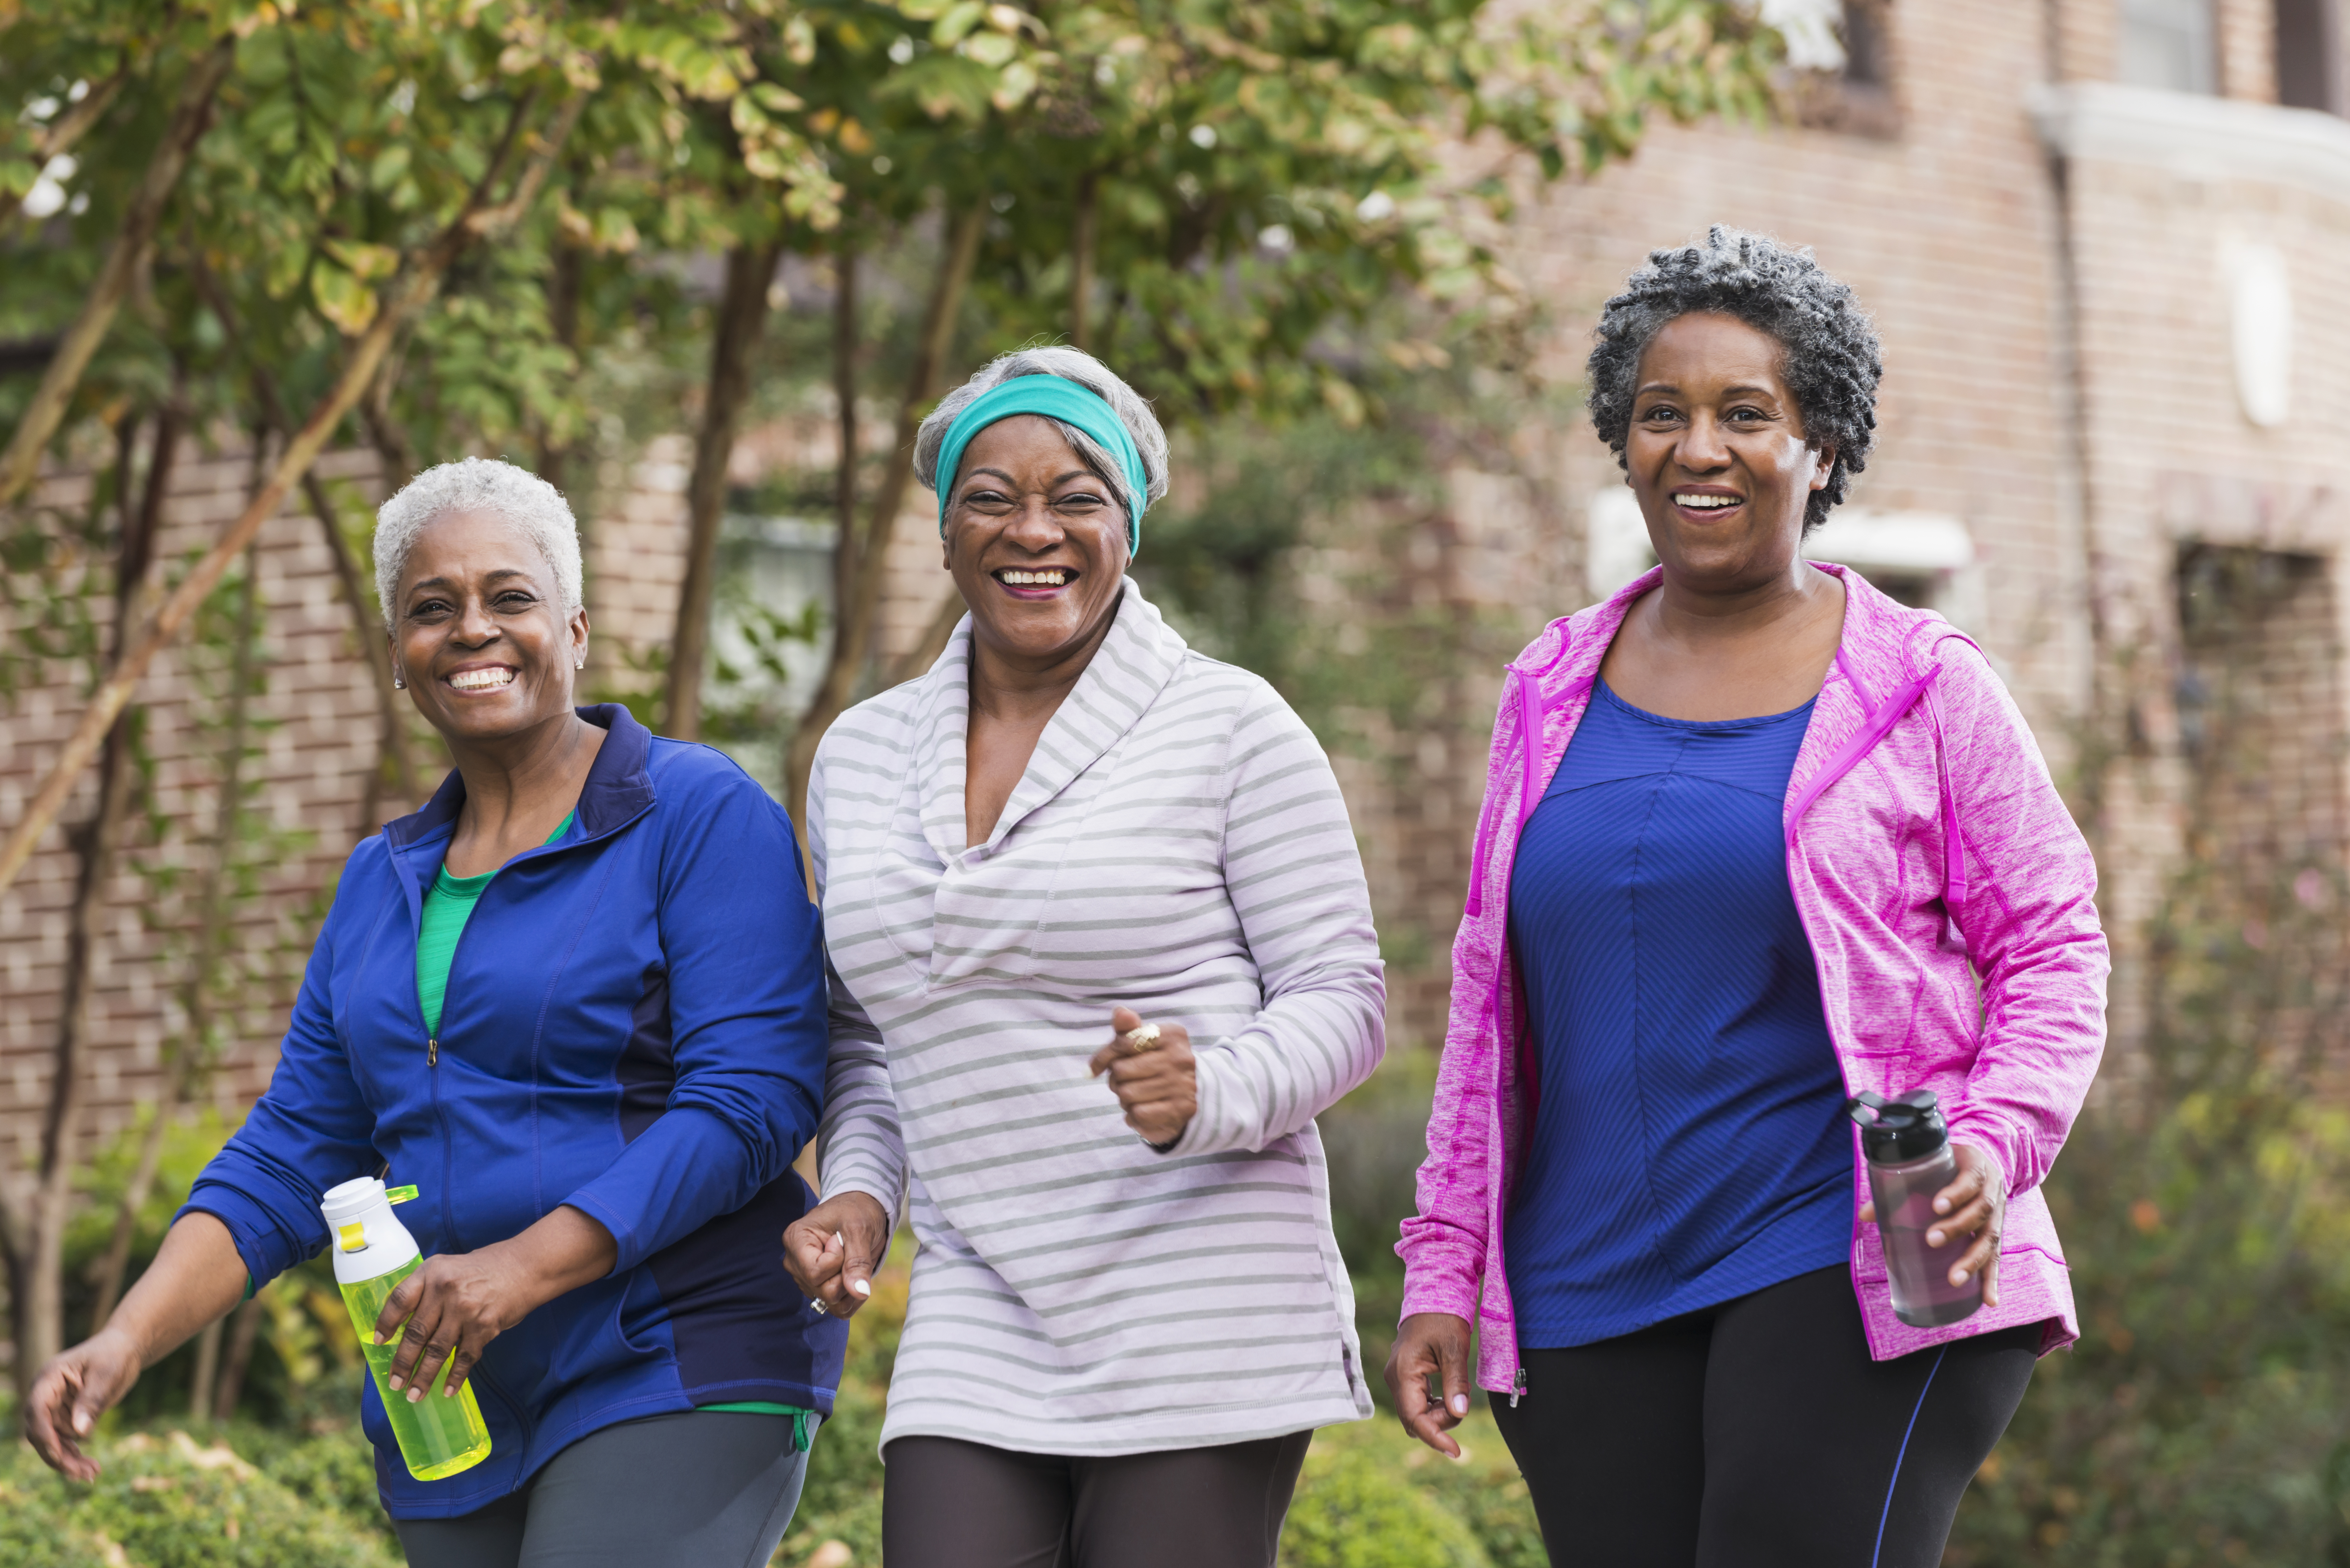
694 1488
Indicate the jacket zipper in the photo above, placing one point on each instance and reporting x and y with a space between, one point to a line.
1518 1388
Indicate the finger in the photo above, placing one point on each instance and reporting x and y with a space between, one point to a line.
52 1397
1454 1369
1868 1213
1124 1020
810 1256
461 1362
1990 1280
856 1268
1983 1255
1965 1222
1969 1183
397 1305
438 1348
421 1324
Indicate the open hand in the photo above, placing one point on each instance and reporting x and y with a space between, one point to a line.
71 1393
833 1249
1974 1205
1431 1344
1157 1082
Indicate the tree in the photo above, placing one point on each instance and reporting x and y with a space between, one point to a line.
1203 191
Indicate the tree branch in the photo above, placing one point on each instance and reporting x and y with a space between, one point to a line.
853 617
740 323
71 127
414 290
190 118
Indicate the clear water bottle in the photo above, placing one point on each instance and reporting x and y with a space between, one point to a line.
1909 1160
438 1436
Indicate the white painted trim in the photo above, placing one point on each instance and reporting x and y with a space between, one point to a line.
2195 137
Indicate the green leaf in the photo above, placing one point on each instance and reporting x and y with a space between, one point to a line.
342 299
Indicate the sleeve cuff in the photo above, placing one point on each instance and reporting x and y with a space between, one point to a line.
261 1243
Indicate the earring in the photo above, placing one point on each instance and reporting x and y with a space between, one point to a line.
580 662
399 681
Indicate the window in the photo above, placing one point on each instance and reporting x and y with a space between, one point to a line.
1842 54
2309 55
2169 44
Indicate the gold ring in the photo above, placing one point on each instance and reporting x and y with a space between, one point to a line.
1143 1038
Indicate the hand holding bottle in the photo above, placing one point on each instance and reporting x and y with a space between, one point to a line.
457 1302
1974 1205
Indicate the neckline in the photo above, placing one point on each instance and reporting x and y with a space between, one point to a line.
1755 720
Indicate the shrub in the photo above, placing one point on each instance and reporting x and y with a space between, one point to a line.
1353 1510
171 1502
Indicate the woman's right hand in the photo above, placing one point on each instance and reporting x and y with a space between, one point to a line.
72 1392
834 1248
1431 1344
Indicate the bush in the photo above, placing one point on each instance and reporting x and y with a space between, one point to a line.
170 1501
1351 1511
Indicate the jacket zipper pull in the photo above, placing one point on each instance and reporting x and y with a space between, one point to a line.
1517 1389
432 1052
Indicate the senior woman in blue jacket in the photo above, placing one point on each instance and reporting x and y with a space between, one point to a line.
577 1001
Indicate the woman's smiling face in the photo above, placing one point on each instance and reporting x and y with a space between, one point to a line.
480 633
1716 453
1037 541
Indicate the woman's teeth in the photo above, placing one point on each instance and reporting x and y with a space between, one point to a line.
1705 502
481 680
1052 578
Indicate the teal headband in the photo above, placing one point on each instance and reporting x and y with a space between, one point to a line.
1055 397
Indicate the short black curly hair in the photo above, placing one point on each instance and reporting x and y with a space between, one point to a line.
1832 363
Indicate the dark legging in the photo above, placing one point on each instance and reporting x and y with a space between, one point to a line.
697 1489
1758 1433
953 1504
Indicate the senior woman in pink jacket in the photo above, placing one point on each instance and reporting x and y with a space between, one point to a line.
1752 834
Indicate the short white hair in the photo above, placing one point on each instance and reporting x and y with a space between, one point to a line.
1133 411
476 484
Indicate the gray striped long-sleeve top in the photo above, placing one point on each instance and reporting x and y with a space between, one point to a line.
1177 845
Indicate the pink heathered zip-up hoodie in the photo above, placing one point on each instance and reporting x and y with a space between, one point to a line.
1925 847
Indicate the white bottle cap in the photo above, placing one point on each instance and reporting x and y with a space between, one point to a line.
365 1238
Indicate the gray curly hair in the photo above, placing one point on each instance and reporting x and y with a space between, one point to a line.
1073 365
476 484
1831 361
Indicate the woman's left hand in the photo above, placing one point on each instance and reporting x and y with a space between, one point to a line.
1974 1205
459 1301
1157 1082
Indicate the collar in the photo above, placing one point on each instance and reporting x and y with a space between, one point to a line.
619 784
1137 658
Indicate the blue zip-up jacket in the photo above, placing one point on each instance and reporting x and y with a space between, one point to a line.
635 1026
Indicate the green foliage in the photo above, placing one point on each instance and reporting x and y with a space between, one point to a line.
165 1500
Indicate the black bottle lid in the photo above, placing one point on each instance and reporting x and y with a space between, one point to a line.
1898 1130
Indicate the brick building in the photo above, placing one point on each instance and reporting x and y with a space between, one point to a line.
2107 246
2107 242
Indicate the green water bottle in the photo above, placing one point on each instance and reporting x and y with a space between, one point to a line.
438 1436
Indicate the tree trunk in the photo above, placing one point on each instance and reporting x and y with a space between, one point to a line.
213 927
190 117
199 1384
925 653
563 283
853 616
1082 259
742 320
40 1311
366 627
479 218
244 1328
843 389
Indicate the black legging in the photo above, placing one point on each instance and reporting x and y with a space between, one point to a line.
1758 1433
948 1504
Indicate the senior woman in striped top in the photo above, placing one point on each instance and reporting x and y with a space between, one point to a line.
1078 851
